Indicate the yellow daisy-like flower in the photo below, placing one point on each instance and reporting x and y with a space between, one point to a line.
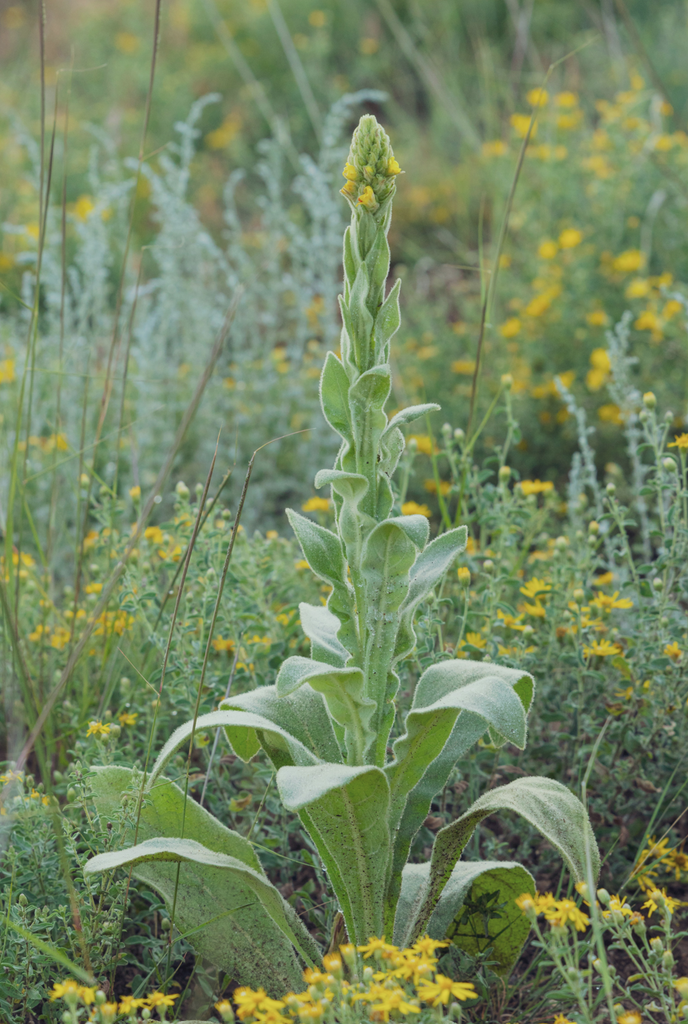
630 1017
376 946
128 718
412 508
602 649
564 911
536 486
316 504
673 651
680 441
128 1004
160 999
535 588
68 990
97 729
442 989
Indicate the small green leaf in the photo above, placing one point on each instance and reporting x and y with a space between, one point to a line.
321 628
321 549
411 413
387 322
346 811
334 397
427 571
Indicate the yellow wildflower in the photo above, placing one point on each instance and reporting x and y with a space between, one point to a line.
220 644
98 729
570 238
535 587
510 621
566 99
464 575
68 990
548 249
597 318
610 413
128 1004
442 989
135 493
629 261
630 1017
606 603
376 946
602 648
536 486
431 487
680 441
658 898
673 651
520 123
6 371
564 911
367 199
128 717
511 327
154 534
476 640
638 288
465 366
412 508
495 148
393 167
423 443
350 172
316 504
160 999
537 97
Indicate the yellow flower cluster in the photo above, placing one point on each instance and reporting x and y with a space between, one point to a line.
103 1011
657 852
557 913
404 979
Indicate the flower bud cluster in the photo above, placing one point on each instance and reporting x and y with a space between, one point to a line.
371 168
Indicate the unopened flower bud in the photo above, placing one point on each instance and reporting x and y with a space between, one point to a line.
649 400
658 583
182 490
459 434
669 464
464 576
656 944
604 897
504 473
22 900
579 595
643 415
507 381
668 960
593 526
488 565
611 489
561 543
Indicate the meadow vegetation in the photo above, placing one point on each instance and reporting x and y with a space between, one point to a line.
172 278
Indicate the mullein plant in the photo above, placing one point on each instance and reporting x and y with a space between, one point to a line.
327 721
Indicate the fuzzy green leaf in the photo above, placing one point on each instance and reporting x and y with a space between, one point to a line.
343 691
388 556
411 413
321 549
346 811
303 714
548 805
245 726
472 883
207 864
387 322
240 937
321 628
366 399
334 397
427 571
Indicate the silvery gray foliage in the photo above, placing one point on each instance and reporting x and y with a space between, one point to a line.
327 721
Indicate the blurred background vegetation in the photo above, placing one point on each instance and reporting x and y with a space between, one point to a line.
598 223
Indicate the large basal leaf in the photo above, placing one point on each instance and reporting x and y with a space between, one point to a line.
303 714
427 571
346 811
244 727
240 935
548 805
467 730
343 690
476 911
